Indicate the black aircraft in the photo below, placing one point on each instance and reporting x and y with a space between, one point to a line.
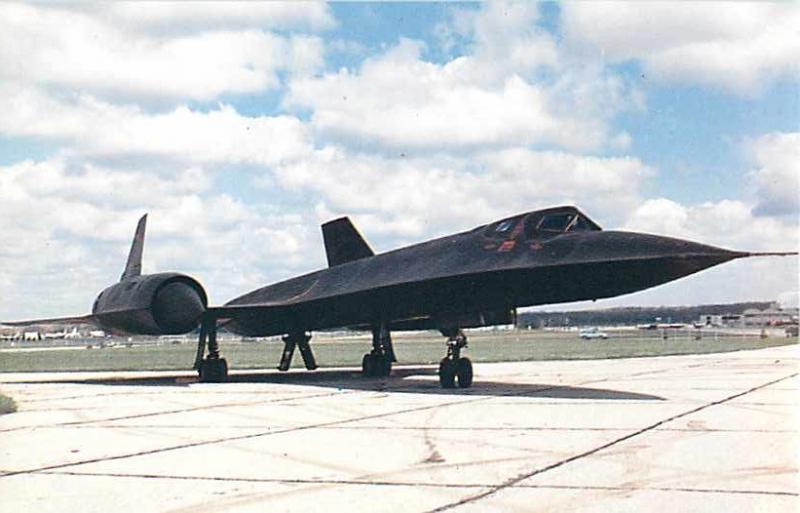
470 279
151 304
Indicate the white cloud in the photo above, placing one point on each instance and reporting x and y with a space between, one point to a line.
84 51
27 181
67 233
511 86
398 100
507 40
726 223
777 179
97 128
411 197
76 200
198 16
739 46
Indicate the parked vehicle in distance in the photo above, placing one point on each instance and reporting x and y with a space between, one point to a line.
592 333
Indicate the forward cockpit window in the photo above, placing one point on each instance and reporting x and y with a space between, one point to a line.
504 228
580 224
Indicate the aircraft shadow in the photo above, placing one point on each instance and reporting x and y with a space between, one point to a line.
411 379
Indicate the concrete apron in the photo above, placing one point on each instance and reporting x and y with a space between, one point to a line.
714 432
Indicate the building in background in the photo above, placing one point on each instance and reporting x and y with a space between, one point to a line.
773 315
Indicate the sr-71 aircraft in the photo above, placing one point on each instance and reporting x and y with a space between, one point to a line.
469 279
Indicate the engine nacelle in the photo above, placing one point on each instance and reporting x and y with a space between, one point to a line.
154 304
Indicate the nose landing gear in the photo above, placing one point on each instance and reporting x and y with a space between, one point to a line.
454 368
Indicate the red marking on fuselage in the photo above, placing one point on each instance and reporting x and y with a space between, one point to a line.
517 230
507 245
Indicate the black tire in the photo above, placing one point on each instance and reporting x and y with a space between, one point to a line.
383 367
368 365
375 366
205 372
213 370
464 372
447 375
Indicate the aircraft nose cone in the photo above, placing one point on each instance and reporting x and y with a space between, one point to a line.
642 245
662 258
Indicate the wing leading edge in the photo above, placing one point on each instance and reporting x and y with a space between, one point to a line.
80 319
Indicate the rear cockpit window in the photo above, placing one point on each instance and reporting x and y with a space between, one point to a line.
556 222
580 224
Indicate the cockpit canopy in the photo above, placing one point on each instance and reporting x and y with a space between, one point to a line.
542 224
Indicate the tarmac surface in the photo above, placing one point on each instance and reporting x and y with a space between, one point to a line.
707 433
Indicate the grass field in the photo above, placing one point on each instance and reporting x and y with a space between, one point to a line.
418 348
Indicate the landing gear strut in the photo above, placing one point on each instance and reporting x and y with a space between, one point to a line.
212 368
292 340
378 362
455 368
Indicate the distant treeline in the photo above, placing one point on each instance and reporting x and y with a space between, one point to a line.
632 315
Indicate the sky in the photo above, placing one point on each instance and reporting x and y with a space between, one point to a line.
240 128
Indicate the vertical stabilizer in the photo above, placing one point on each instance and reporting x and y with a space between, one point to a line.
134 265
343 243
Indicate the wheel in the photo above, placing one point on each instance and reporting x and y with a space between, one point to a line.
368 365
383 366
205 372
375 365
464 372
447 375
213 370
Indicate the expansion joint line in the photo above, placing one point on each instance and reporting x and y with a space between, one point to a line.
521 477
332 423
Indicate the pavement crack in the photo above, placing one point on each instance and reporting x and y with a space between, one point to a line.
253 435
521 477
427 484
83 423
469 400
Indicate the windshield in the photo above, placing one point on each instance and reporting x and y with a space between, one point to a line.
505 228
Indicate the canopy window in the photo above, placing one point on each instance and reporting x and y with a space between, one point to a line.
550 224
505 228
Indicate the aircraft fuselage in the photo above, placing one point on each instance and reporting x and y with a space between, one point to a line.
474 275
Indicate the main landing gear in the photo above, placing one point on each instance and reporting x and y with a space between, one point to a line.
297 339
378 362
212 368
455 368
